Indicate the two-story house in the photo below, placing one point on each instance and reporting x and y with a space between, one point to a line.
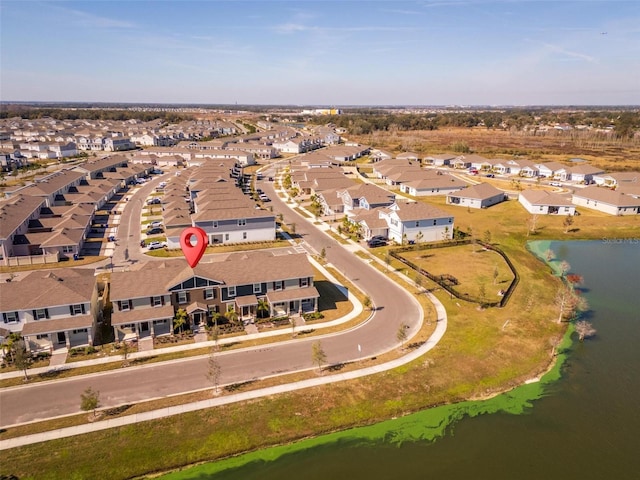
417 222
145 300
52 310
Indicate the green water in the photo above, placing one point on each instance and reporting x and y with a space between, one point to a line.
583 424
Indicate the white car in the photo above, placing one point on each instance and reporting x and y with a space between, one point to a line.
156 245
555 184
156 224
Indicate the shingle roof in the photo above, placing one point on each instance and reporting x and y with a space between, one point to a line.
15 212
479 192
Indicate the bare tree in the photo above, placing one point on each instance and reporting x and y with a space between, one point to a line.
367 302
568 221
318 354
496 273
401 334
564 267
584 330
549 255
214 370
533 221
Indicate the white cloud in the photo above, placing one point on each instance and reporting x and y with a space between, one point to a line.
569 53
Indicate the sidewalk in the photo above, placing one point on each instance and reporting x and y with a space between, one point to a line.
441 328
357 309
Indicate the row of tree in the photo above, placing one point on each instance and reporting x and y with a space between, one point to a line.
359 122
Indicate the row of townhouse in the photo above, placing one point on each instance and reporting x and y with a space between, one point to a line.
62 308
52 217
97 143
208 197
145 300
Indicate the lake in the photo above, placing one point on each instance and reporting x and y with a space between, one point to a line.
585 425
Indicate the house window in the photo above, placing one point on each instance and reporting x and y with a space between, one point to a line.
124 305
10 317
214 224
257 287
40 314
209 293
156 301
76 309
304 282
67 249
80 330
279 285
242 222
226 237
417 224
244 235
182 297
42 336
435 222
214 309
231 291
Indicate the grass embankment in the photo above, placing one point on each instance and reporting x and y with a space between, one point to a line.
477 357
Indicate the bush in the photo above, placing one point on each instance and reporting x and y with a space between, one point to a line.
312 316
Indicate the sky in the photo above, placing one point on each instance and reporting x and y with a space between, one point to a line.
330 52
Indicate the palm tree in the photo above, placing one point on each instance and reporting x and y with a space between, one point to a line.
263 308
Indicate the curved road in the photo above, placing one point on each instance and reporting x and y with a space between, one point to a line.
394 306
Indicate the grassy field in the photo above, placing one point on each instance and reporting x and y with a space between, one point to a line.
485 351
611 155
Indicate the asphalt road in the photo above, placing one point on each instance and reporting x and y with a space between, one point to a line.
394 306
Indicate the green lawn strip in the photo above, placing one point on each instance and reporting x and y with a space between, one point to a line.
302 212
484 352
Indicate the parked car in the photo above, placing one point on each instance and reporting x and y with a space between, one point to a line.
490 175
258 176
555 184
155 224
376 242
157 171
154 201
264 198
156 245
155 231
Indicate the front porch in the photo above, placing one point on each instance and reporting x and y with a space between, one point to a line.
63 333
142 322
293 302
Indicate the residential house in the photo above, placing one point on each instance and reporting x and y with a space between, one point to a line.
607 201
52 309
584 173
15 216
440 160
549 169
438 185
145 300
482 195
543 202
617 178
365 196
417 222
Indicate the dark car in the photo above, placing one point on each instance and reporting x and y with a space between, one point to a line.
155 231
376 242
490 175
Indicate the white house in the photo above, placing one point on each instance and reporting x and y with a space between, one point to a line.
417 222
483 195
542 202
607 201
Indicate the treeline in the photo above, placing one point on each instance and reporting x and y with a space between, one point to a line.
624 122
30 113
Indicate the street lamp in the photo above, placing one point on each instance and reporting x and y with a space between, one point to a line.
111 263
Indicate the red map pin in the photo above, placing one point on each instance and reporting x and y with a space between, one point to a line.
193 251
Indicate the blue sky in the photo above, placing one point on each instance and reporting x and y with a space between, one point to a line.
433 52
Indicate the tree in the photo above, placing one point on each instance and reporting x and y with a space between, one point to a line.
367 302
214 370
232 316
483 292
567 222
293 322
263 308
318 354
564 267
584 330
323 254
180 320
533 221
496 273
90 400
487 237
419 237
21 357
418 281
549 255
401 334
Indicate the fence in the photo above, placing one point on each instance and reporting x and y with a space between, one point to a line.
32 259
447 282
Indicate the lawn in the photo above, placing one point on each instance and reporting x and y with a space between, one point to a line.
471 265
